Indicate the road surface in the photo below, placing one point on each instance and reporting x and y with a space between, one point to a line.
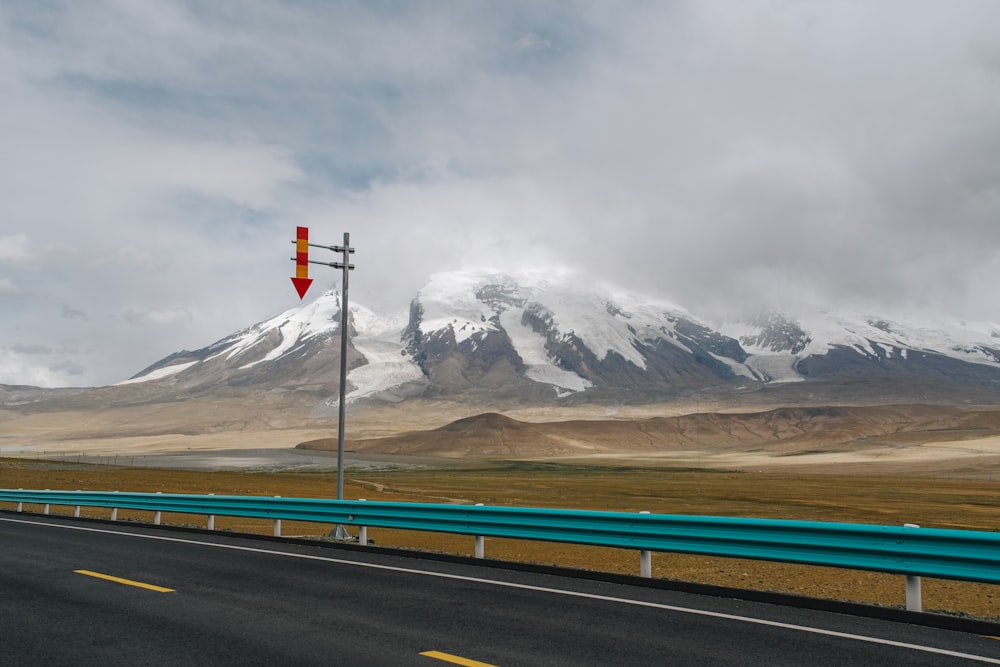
84 593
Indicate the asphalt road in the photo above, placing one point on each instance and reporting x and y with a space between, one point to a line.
239 601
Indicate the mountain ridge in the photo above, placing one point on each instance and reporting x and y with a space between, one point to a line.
553 337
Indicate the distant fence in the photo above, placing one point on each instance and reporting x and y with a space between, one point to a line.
907 550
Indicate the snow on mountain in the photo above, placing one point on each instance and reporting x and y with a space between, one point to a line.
538 365
295 327
159 373
605 321
256 350
449 301
561 329
971 342
311 330
551 334
378 339
776 343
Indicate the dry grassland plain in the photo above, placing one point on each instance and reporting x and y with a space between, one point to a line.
936 466
881 499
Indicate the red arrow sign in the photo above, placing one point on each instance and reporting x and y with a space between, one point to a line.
302 286
302 281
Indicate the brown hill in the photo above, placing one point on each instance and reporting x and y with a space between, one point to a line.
488 435
780 432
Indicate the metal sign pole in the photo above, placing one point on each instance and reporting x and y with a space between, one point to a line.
339 532
343 369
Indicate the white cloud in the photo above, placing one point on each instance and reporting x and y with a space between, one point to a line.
531 41
32 349
8 288
134 258
160 316
38 370
16 250
71 313
157 156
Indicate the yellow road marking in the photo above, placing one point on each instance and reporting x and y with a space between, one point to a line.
127 582
454 659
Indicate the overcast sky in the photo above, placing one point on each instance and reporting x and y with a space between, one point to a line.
155 158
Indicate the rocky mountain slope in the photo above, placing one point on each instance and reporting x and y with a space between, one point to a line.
555 337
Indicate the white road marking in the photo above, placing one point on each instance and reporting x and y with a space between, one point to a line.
540 589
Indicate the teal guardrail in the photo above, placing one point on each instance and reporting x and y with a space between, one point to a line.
931 552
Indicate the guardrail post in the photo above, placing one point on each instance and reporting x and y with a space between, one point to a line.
913 599
157 515
20 503
480 542
277 525
211 518
114 511
363 530
645 560
45 510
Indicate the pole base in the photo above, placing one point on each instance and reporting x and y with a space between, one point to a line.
340 533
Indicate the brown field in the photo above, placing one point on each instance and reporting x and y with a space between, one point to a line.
881 499
962 441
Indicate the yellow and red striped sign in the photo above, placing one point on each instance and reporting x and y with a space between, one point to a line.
301 279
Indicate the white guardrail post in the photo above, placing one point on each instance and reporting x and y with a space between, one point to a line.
158 514
114 511
913 599
645 560
277 525
76 510
45 510
480 542
20 503
362 530
211 518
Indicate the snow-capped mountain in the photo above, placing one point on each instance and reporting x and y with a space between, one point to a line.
553 335
828 345
299 346
472 329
